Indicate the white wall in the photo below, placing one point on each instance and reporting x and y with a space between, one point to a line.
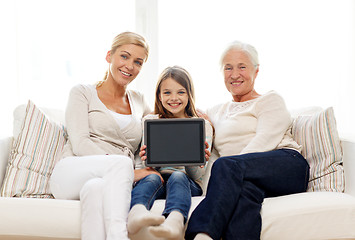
8 80
306 48
48 46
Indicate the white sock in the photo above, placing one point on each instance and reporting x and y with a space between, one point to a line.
140 217
172 228
202 236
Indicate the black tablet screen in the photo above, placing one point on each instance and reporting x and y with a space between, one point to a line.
174 142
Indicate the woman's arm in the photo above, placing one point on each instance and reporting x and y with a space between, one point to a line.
273 122
77 123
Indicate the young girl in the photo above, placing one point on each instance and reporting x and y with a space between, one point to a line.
174 99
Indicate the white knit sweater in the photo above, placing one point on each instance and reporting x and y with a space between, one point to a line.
258 125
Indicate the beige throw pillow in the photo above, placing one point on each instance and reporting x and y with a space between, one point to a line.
33 156
318 136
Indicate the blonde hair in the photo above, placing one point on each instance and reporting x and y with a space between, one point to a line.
127 38
181 76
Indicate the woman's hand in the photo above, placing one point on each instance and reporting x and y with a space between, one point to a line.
142 173
203 115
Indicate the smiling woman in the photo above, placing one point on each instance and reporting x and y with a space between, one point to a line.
96 165
241 66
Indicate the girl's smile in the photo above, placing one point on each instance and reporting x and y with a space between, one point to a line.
173 97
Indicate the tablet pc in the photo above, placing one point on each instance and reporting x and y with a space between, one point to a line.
174 142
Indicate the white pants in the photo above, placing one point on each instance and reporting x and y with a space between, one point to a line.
103 183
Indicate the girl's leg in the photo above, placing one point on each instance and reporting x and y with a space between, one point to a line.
180 188
88 178
236 190
143 196
147 190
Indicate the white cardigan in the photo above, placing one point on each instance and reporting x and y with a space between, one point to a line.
259 125
92 130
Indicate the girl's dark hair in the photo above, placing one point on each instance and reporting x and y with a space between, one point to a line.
181 76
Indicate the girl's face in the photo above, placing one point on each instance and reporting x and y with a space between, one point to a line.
173 97
125 63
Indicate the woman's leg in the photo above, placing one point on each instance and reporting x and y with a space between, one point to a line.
92 215
143 196
287 175
243 180
245 223
214 211
88 178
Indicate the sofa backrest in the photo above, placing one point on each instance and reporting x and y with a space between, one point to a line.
58 116
5 145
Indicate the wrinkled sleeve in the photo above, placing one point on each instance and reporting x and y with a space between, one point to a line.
77 122
273 121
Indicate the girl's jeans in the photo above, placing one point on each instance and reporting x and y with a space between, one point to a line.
237 188
178 189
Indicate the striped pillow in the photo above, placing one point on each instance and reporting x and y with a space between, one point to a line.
33 156
318 136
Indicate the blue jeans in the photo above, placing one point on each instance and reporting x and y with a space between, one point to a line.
237 188
178 189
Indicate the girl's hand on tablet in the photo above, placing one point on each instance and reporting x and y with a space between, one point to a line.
142 152
208 154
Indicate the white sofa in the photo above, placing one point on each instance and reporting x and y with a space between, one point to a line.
310 215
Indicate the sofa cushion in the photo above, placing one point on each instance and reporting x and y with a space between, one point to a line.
318 136
33 156
33 219
310 215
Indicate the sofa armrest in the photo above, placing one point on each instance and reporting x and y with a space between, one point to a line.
5 147
349 165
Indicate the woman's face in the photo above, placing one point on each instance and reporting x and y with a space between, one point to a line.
125 63
173 97
239 75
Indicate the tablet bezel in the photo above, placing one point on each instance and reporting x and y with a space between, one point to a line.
199 122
